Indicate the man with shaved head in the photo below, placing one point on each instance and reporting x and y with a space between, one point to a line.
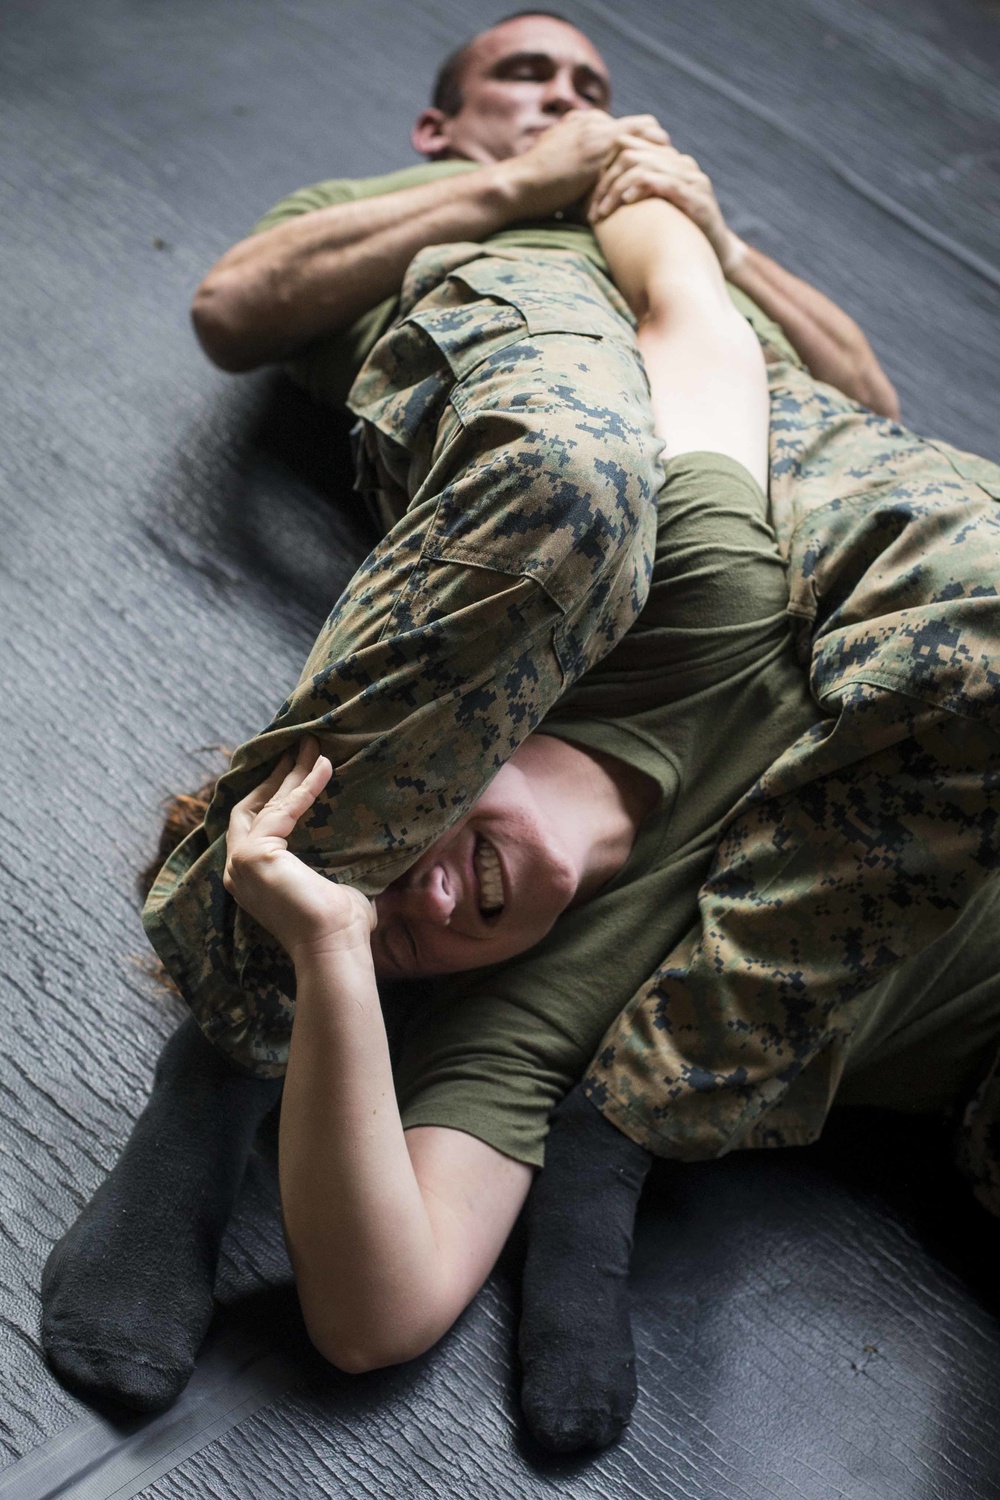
464 312
330 255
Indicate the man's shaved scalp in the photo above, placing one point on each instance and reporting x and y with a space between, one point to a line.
447 92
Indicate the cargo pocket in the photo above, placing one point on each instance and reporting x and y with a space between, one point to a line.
508 304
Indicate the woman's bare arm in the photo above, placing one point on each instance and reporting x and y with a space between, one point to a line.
390 1233
827 339
705 366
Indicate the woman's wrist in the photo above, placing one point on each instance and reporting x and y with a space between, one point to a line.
348 947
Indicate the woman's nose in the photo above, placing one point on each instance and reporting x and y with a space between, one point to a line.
430 896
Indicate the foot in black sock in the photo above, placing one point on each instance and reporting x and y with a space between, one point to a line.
577 1356
127 1291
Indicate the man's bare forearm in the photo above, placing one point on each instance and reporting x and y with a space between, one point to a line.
827 340
275 291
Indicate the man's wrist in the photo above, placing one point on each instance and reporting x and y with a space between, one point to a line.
734 255
514 185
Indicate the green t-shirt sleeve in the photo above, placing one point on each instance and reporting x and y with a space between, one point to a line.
771 335
718 595
493 1061
307 200
353 189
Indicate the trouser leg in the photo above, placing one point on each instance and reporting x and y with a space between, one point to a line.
928 1039
865 840
522 557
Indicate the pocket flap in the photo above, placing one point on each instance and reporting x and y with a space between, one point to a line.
552 298
981 471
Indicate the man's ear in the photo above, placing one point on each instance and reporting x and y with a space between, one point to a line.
429 135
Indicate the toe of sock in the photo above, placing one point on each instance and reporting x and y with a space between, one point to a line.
574 1431
567 1415
104 1374
114 1332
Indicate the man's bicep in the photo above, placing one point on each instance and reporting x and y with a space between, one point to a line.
473 1194
308 199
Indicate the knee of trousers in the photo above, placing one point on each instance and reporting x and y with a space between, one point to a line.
558 492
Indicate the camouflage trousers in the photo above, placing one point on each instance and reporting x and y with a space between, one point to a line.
861 844
506 434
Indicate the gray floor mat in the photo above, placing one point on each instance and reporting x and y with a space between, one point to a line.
812 1324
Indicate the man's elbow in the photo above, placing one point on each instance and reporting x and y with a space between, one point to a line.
221 325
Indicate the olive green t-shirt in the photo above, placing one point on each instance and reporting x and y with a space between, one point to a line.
702 694
328 366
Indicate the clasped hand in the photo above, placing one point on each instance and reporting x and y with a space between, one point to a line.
591 155
306 912
640 167
561 168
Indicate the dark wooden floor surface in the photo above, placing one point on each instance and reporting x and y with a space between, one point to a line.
816 1324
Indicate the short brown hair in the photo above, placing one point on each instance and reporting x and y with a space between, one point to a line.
447 92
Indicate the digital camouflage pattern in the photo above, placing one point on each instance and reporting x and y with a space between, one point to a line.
506 436
506 445
863 841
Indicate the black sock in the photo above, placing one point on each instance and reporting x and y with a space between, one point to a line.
127 1291
577 1355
